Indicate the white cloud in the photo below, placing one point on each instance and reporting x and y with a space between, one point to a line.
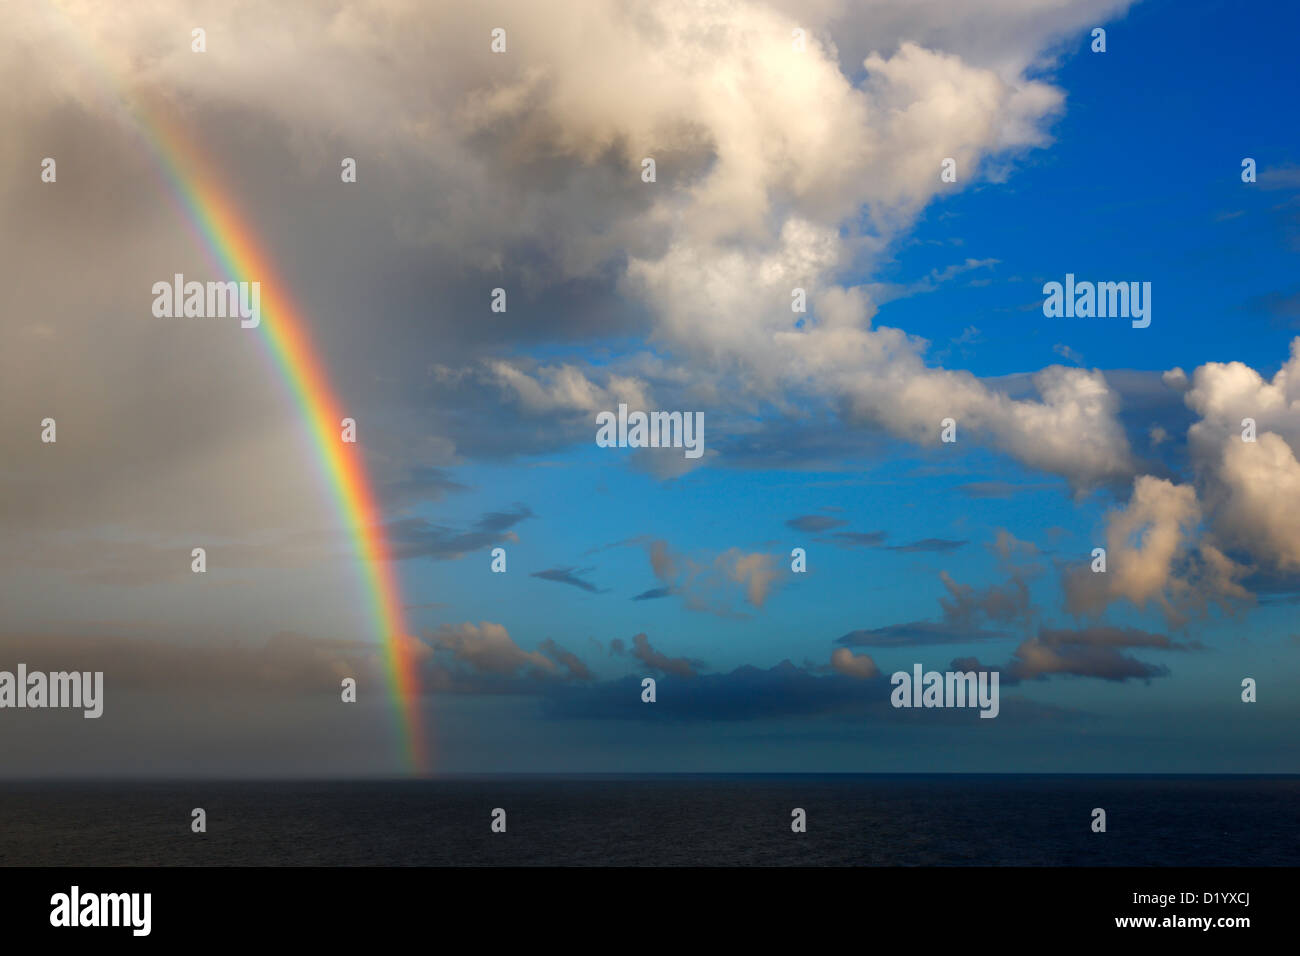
1250 488
861 666
1153 556
776 168
488 648
567 388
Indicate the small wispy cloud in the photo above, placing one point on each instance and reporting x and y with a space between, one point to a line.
571 576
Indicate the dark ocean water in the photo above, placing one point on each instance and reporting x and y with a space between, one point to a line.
661 821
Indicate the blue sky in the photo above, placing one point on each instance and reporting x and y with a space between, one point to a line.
1142 181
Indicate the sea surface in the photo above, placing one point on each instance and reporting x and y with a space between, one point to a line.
852 820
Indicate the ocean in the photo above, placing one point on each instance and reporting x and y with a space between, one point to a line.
852 820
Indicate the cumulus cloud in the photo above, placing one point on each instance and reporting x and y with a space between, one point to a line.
1006 36
1154 556
755 190
567 388
1249 488
776 168
844 661
756 573
487 648
1006 546
711 584
1143 541
1252 494
878 376
1183 547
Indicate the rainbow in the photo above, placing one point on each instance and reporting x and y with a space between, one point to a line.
229 238
229 241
